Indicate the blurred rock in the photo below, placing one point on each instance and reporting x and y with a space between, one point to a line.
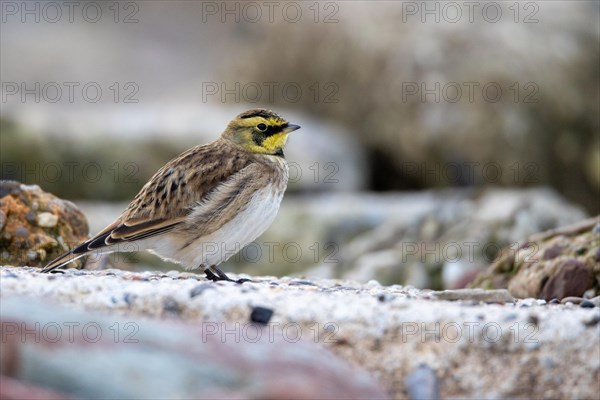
555 264
36 226
132 356
432 239
12 389
464 102
389 331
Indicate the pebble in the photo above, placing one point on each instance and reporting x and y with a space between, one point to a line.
528 302
511 317
31 255
31 217
198 290
47 220
21 232
587 304
572 299
171 305
129 298
422 383
301 282
594 320
261 315
477 295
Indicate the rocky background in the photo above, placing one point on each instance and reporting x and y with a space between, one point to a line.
516 104
442 148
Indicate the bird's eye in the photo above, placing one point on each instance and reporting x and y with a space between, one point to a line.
261 127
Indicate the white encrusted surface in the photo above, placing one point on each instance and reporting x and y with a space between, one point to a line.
476 349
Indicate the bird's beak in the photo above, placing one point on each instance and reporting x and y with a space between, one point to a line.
291 128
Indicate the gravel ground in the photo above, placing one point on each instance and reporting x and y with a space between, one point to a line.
480 344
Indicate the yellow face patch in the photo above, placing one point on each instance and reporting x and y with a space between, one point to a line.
275 142
262 134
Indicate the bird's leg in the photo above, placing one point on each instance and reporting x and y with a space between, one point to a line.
215 274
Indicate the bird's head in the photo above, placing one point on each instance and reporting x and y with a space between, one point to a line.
259 131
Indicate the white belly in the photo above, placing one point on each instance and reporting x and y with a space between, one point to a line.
220 245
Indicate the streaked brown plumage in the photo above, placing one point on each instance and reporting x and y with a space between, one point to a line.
225 193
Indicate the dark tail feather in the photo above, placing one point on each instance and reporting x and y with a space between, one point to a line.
67 258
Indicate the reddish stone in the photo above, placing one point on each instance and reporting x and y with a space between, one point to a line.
572 278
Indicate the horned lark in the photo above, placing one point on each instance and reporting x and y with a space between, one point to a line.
210 199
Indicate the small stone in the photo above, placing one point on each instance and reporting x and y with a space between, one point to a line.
198 290
129 298
572 279
510 317
533 319
31 217
21 232
552 252
572 299
478 295
47 220
171 305
594 320
528 302
373 283
31 255
301 282
554 301
422 383
261 315
2 219
587 304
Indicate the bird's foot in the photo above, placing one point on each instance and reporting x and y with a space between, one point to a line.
215 274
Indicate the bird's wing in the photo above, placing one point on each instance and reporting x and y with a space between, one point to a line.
173 193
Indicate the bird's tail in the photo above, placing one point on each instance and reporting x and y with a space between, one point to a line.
66 258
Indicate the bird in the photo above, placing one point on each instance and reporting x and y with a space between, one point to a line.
205 202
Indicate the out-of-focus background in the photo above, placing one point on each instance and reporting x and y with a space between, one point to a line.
433 133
